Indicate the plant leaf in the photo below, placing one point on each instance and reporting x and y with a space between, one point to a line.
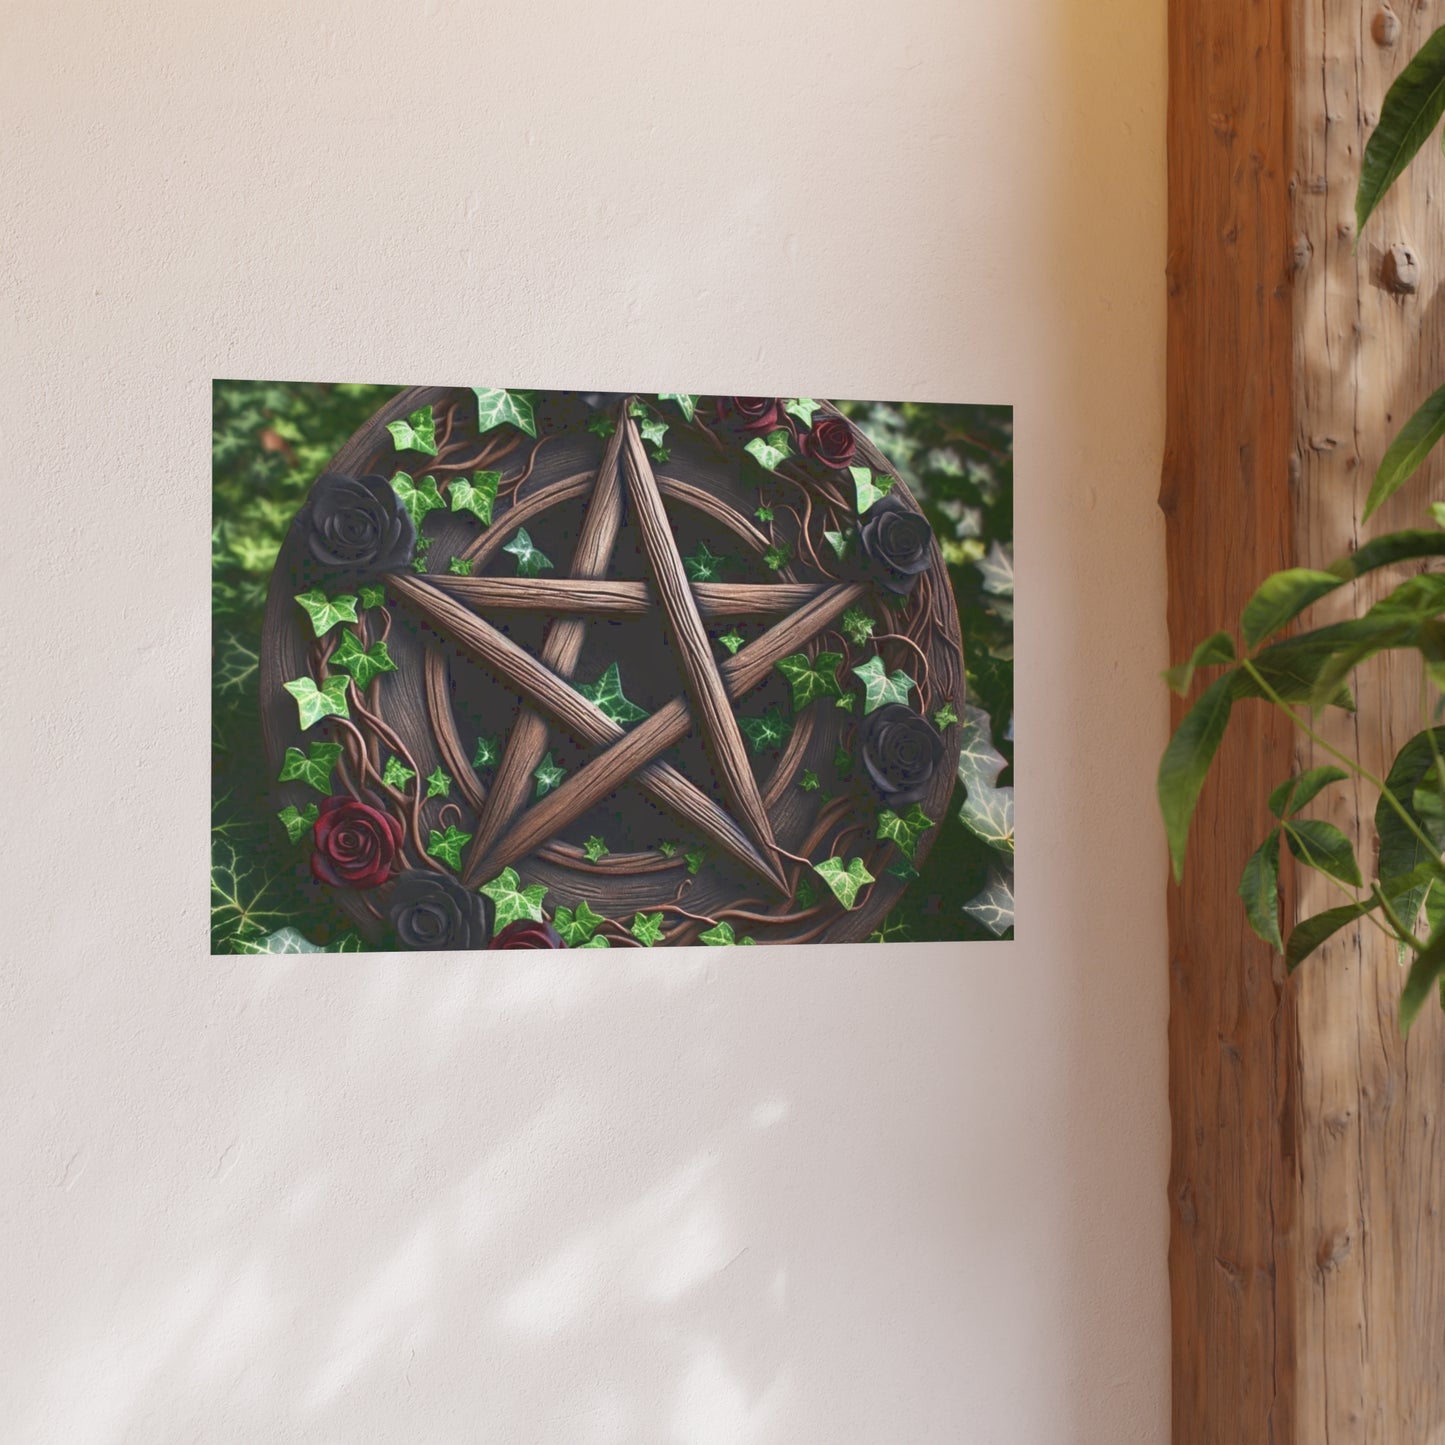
1278 600
363 663
945 717
476 496
845 881
1404 546
979 762
809 781
686 403
419 498
770 730
313 703
488 753
1259 888
595 849
988 812
438 783
326 612
778 555
1425 971
998 570
994 906
1413 443
1322 846
371 596
512 901
530 561
497 407
811 680
577 925
652 429
705 565
418 433
719 936
770 451
838 541
396 774
905 831
694 858
867 488
647 928
549 774
314 769
857 626
1309 933
879 687
732 639
803 408
1413 105
296 821
448 846
607 693
1401 852
1298 792
1186 760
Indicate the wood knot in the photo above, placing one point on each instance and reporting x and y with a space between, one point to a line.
1334 1249
1400 270
1385 27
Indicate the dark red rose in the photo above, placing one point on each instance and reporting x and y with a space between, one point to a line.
757 413
900 751
898 542
830 442
432 910
524 933
356 844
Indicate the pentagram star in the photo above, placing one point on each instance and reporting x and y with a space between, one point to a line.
508 830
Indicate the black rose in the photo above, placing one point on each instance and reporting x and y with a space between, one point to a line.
357 525
431 910
900 751
898 542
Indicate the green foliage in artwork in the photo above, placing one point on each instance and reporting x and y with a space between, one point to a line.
297 821
721 935
600 424
772 451
371 596
803 408
868 487
646 928
904 830
857 626
418 433
396 774
363 663
667 849
234 667
732 639
839 542
842 761
880 686
325 612
245 898
496 407
313 767
548 775
419 498
769 730
808 782
705 565
607 694
513 902
461 566
438 783
530 562
577 925
652 429
695 857
292 940
778 556
945 717
845 880
488 753
448 845
314 703
476 496
686 404
595 849
764 513
811 679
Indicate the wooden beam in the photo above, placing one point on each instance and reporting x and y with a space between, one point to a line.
716 601
1307 1263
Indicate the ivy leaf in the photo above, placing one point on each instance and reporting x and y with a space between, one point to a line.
867 488
803 408
857 626
549 775
530 561
1259 888
283 940
945 717
371 596
235 664
809 781
315 769
460 566
498 408
764 514
660 454
475 496
653 429
839 542
418 433
901 868
979 762
448 846
905 831
438 783
695 858
988 813
844 881
363 663
668 850
998 571
297 821
705 565
578 925
778 556
842 761
732 640
686 403
768 731
600 424
806 896
488 753
607 693
419 498
810 680
719 936
600 941
313 703
845 703
512 901
647 928
880 688
994 906
243 899
638 410
326 613
770 451
595 849
396 774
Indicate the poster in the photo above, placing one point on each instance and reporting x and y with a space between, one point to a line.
501 668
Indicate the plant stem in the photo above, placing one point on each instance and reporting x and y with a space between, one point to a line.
1401 932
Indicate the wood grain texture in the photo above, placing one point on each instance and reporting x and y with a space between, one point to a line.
709 696
716 601
584 719
1307 1256
527 743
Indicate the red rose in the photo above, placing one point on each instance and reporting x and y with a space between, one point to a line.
757 413
356 844
525 933
830 442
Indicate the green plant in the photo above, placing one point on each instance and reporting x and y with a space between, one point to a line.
1307 672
